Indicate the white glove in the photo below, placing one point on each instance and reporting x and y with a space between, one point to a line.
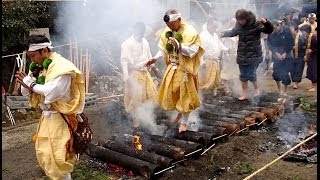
28 80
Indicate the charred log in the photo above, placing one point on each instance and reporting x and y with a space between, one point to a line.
198 137
144 168
173 152
260 117
161 161
210 112
187 145
270 112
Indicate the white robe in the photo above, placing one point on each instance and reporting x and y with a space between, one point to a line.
134 53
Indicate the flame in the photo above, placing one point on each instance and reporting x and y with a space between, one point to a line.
136 142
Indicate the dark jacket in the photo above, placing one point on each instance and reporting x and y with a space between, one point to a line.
249 47
281 42
302 44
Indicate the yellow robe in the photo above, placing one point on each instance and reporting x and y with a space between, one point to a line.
210 75
138 89
53 134
313 26
175 93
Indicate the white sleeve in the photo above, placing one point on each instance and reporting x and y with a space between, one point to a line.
158 55
124 61
25 91
190 50
54 89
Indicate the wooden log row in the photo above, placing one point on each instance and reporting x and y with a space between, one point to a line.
174 152
146 169
160 161
188 145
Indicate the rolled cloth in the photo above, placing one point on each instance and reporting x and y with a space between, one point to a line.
34 47
171 17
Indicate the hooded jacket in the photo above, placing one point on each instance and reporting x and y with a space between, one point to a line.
249 47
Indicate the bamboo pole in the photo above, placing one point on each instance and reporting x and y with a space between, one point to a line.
24 60
70 51
16 83
89 63
12 76
77 53
286 153
87 71
81 61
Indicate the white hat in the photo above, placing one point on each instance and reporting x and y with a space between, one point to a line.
312 15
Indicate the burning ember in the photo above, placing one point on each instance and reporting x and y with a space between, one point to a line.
119 169
136 142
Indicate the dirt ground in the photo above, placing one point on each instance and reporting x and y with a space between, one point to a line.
234 159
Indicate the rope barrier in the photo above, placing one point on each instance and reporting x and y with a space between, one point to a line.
286 153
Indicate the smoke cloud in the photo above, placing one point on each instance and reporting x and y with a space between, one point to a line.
145 113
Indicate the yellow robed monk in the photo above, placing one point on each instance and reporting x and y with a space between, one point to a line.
58 90
181 47
139 85
210 73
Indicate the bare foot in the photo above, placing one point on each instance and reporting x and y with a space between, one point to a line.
175 120
256 92
295 87
310 87
241 98
182 127
312 90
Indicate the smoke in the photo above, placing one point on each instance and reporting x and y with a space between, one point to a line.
145 114
101 26
292 127
194 120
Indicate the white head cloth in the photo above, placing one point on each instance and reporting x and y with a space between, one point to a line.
312 15
34 47
174 17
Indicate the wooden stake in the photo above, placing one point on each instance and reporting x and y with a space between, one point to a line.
286 153
109 97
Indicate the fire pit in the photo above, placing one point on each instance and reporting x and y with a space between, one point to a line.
151 155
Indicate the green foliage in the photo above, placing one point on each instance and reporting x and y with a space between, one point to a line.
18 18
244 168
33 66
46 63
296 178
169 47
178 37
41 80
308 106
168 34
81 172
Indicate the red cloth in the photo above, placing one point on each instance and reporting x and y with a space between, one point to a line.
3 90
